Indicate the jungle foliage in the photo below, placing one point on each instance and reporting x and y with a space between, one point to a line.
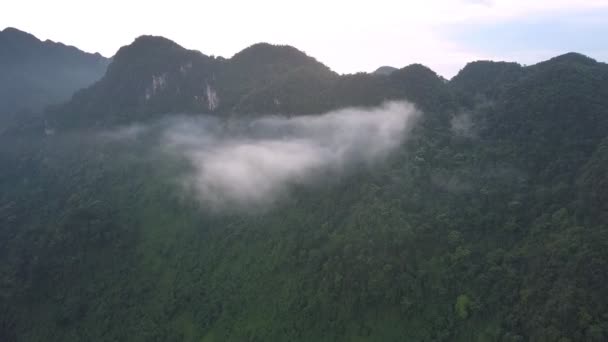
495 230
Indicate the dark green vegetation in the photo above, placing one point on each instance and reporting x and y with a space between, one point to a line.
35 74
488 224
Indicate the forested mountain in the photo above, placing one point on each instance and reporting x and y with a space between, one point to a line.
35 74
487 223
155 76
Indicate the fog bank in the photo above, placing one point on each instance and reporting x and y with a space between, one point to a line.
251 162
244 162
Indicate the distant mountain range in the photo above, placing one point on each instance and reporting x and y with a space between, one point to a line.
35 74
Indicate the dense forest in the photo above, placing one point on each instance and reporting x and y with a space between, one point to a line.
487 223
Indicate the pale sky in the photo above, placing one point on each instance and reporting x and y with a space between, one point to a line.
348 36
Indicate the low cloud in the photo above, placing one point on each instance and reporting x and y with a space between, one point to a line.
252 162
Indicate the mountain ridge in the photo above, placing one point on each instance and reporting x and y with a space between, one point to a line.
13 31
35 74
175 79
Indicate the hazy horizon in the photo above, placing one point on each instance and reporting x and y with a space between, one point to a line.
348 37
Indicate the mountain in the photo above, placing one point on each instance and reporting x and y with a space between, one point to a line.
154 76
384 70
34 74
484 79
487 223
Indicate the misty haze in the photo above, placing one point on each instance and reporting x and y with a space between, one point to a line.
242 162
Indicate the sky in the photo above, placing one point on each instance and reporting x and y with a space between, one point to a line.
348 36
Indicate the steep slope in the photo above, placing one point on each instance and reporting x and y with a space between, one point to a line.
559 107
34 74
545 125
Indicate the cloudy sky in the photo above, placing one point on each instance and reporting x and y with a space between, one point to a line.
348 36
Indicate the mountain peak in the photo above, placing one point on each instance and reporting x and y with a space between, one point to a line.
146 40
417 71
269 50
483 76
485 65
573 57
36 73
12 34
273 55
149 50
384 70
15 31
143 45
